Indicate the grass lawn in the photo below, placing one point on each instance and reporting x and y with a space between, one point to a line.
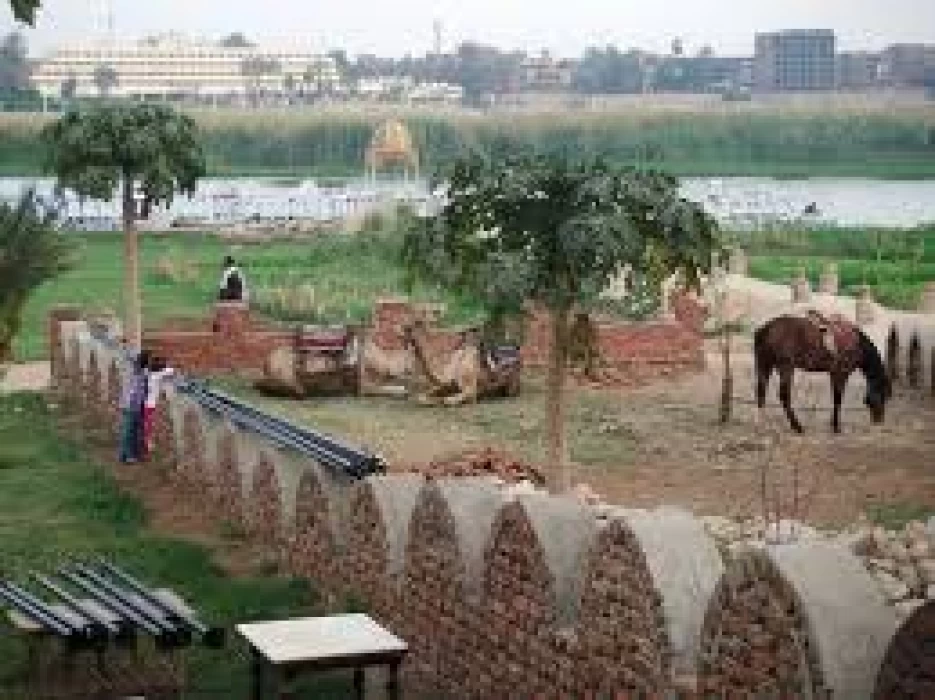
56 503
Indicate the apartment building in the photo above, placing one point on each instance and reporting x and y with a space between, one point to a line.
795 60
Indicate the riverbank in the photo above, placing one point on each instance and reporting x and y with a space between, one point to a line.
792 144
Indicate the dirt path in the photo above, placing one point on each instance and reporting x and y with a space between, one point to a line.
30 376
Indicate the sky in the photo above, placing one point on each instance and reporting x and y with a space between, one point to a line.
566 27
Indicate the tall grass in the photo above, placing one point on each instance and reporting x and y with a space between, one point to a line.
694 142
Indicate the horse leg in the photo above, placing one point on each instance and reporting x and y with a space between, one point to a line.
837 392
785 397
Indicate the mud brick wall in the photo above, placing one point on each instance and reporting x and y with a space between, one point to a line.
530 595
226 492
164 451
192 464
622 640
380 509
662 344
908 669
505 591
450 526
756 636
264 519
317 545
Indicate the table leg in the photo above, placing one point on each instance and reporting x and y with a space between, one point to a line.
359 683
257 673
392 687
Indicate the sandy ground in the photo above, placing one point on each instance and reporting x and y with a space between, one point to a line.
30 376
682 455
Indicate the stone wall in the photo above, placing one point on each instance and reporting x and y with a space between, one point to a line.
508 591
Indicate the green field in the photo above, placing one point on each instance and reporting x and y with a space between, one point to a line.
57 503
780 141
895 264
344 273
335 278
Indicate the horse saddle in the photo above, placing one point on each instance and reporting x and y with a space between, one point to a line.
836 332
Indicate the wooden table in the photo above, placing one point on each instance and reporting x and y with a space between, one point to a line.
290 647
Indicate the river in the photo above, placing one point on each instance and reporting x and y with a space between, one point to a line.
737 202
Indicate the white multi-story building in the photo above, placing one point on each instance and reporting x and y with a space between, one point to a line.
172 65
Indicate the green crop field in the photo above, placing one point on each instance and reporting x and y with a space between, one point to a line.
735 140
335 278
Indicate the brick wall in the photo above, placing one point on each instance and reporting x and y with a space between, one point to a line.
265 512
531 595
226 490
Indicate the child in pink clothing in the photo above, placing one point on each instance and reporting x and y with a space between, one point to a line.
158 373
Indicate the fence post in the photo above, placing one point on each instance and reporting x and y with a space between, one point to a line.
914 361
892 355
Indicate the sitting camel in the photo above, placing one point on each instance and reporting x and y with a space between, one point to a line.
382 372
471 373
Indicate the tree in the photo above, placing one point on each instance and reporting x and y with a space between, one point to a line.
126 148
31 252
106 79
555 232
25 10
236 40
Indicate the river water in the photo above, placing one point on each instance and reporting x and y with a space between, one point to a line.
736 202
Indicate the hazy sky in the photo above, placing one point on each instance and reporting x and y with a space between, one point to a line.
565 26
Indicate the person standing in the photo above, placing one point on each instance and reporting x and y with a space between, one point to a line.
233 285
132 398
158 372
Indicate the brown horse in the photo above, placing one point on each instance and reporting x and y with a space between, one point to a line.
816 344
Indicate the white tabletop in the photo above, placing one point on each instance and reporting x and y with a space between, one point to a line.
319 638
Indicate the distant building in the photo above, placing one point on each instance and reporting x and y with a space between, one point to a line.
908 65
795 60
858 70
545 73
720 73
174 66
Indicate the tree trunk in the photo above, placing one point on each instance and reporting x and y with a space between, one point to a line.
10 322
727 381
131 270
559 470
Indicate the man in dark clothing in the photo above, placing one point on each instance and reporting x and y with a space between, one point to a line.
233 287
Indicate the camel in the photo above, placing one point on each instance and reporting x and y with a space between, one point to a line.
470 374
382 372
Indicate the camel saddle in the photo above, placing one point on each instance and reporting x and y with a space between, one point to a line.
324 340
838 333
501 357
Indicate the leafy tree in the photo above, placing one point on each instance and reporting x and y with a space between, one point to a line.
127 148
106 79
25 10
31 252
555 232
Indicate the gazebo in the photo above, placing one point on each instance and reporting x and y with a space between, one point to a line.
392 144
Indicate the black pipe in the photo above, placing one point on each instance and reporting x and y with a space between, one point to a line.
165 640
182 635
212 636
121 631
83 627
40 615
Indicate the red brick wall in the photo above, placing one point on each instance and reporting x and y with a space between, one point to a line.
227 489
265 517
314 549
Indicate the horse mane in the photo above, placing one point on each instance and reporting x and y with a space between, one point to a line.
871 363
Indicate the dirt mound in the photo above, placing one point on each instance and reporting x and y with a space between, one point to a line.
486 462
